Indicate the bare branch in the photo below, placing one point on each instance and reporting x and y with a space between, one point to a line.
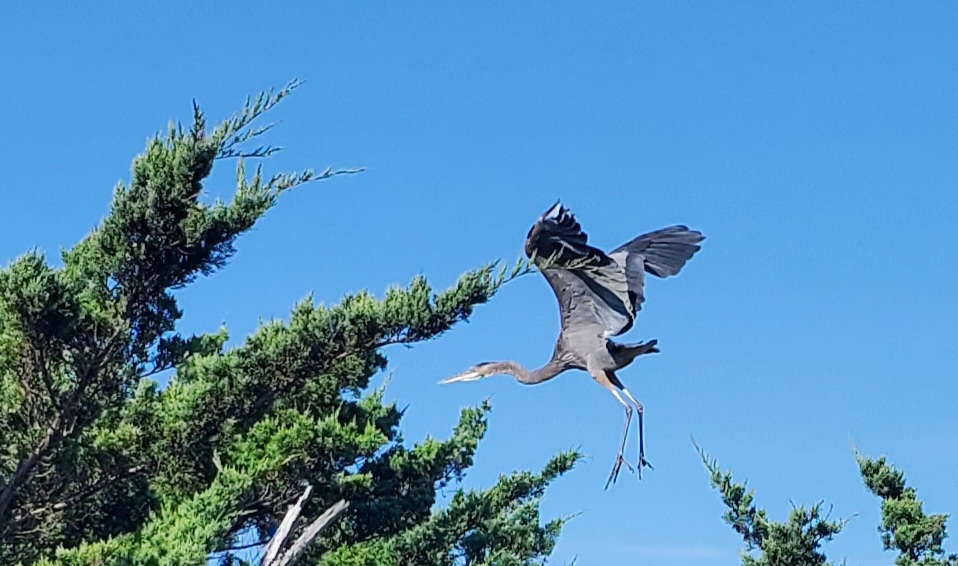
271 556
312 531
272 549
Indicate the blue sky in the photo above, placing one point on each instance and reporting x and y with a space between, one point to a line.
814 143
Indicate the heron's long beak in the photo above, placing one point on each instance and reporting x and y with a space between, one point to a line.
471 375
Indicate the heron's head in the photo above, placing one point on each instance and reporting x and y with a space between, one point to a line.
476 372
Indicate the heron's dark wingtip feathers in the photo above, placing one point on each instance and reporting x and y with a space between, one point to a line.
557 228
665 252
553 209
562 217
678 233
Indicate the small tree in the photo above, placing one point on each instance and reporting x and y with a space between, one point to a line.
101 465
797 542
904 526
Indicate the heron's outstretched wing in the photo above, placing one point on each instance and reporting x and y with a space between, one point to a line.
661 253
591 288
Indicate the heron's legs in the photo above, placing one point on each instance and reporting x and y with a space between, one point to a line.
640 410
619 459
603 379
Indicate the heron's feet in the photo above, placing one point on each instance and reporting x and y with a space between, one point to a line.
643 463
619 462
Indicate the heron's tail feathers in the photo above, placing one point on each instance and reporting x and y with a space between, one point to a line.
625 353
664 252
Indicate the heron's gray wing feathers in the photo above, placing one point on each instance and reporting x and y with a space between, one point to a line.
662 253
592 289
586 307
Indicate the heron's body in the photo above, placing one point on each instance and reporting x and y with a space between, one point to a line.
599 295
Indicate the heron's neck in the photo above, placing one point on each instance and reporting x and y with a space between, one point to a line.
529 377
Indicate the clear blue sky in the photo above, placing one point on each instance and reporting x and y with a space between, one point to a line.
815 144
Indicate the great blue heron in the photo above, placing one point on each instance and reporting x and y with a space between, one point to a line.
599 295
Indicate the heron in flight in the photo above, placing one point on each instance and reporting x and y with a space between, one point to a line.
599 295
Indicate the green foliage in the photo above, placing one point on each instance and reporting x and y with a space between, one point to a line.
479 527
904 526
795 542
99 464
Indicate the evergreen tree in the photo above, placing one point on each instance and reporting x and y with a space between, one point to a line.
904 525
797 542
101 465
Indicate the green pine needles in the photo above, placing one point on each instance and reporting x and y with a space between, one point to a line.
101 465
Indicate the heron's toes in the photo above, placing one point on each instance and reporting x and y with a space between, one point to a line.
619 462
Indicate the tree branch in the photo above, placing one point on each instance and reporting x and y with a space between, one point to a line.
55 430
96 488
272 549
312 531
271 556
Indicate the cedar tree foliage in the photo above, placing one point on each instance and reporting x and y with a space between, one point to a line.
100 464
904 528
